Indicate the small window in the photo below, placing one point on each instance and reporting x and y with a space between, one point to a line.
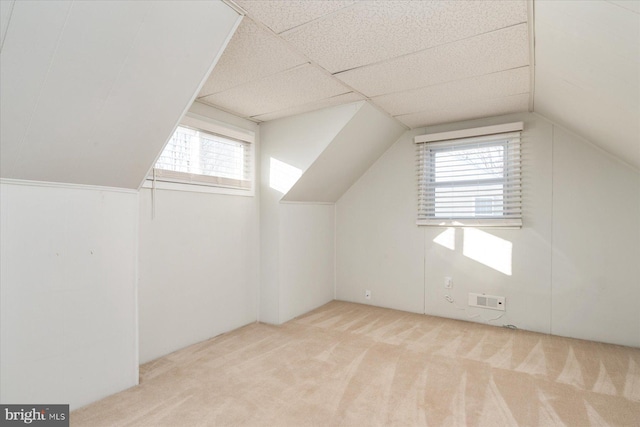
196 156
472 180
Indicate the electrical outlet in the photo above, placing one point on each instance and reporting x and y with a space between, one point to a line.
367 294
448 282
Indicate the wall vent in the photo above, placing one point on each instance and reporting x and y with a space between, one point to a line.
492 302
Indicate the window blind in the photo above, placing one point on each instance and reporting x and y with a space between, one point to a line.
472 181
194 156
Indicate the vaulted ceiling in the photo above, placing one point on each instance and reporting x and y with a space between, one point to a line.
91 90
431 62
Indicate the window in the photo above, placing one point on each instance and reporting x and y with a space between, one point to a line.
470 177
201 157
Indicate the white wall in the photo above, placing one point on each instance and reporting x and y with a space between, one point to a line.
596 244
68 331
379 247
287 270
198 268
306 257
199 262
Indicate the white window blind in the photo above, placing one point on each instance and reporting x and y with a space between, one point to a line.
194 156
471 180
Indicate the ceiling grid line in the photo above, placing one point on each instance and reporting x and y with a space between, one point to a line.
280 20
384 61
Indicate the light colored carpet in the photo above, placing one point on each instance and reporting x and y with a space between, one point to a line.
351 364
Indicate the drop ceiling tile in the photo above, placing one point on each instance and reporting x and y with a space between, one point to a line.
312 106
373 31
252 53
488 53
473 110
290 88
451 94
282 15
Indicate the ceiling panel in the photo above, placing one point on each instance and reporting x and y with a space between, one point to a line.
373 31
451 94
499 50
312 106
282 15
474 110
252 53
290 88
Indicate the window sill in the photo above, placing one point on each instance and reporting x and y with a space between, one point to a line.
197 188
477 223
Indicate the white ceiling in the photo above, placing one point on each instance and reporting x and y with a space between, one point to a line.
433 61
90 91
416 60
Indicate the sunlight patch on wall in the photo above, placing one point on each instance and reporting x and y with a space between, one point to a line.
488 249
447 238
282 175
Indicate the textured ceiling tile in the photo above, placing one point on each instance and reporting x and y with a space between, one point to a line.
451 94
373 31
312 106
252 53
282 15
472 110
290 88
499 50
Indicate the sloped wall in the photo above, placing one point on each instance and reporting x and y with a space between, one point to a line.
82 103
587 71
358 145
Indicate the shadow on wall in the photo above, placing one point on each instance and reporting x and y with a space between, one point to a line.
480 246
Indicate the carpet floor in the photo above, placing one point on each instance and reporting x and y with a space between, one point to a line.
348 364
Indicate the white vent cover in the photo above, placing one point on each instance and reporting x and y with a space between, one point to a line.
492 302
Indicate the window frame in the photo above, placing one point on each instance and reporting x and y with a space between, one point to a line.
428 146
183 181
